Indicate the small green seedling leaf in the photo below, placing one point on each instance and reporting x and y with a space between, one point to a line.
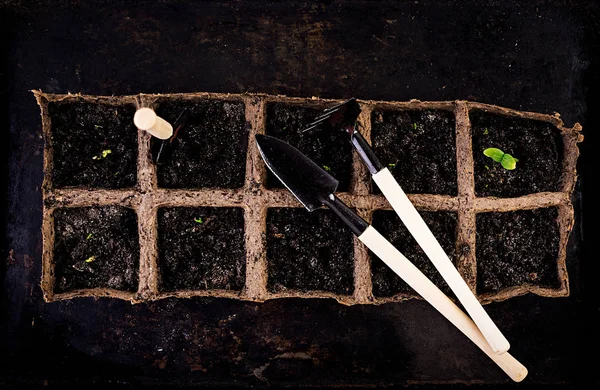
325 167
104 153
508 162
414 126
392 165
89 236
494 153
486 167
90 259
198 220
97 127
486 131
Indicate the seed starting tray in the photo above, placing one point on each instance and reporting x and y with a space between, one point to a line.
255 197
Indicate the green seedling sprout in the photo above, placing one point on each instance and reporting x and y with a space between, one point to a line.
508 162
415 126
392 165
89 236
198 220
97 127
485 131
90 259
104 153
327 168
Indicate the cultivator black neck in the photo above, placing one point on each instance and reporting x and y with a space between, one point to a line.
365 152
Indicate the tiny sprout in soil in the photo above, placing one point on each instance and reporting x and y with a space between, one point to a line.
90 259
198 220
486 131
414 126
507 161
392 165
104 153
89 236
327 168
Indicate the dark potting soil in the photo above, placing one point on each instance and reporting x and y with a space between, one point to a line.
419 148
201 248
537 145
96 247
329 149
309 251
94 145
516 248
210 150
443 225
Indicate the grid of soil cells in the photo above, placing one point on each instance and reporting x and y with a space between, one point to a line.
209 220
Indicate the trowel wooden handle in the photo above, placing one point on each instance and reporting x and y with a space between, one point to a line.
424 287
427 241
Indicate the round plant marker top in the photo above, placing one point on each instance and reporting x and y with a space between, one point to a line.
146 119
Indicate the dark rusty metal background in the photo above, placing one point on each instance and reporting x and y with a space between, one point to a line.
535 56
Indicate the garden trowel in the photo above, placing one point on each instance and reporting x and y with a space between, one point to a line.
314 187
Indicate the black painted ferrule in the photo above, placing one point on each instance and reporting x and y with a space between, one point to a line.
346 214
365 152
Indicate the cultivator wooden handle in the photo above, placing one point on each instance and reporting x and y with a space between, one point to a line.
434 251
424 287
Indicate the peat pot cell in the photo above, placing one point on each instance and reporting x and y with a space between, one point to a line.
210 150
517 248
418 147
201 248
93 144
96 247
309 251
329 149
443 225
536 145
